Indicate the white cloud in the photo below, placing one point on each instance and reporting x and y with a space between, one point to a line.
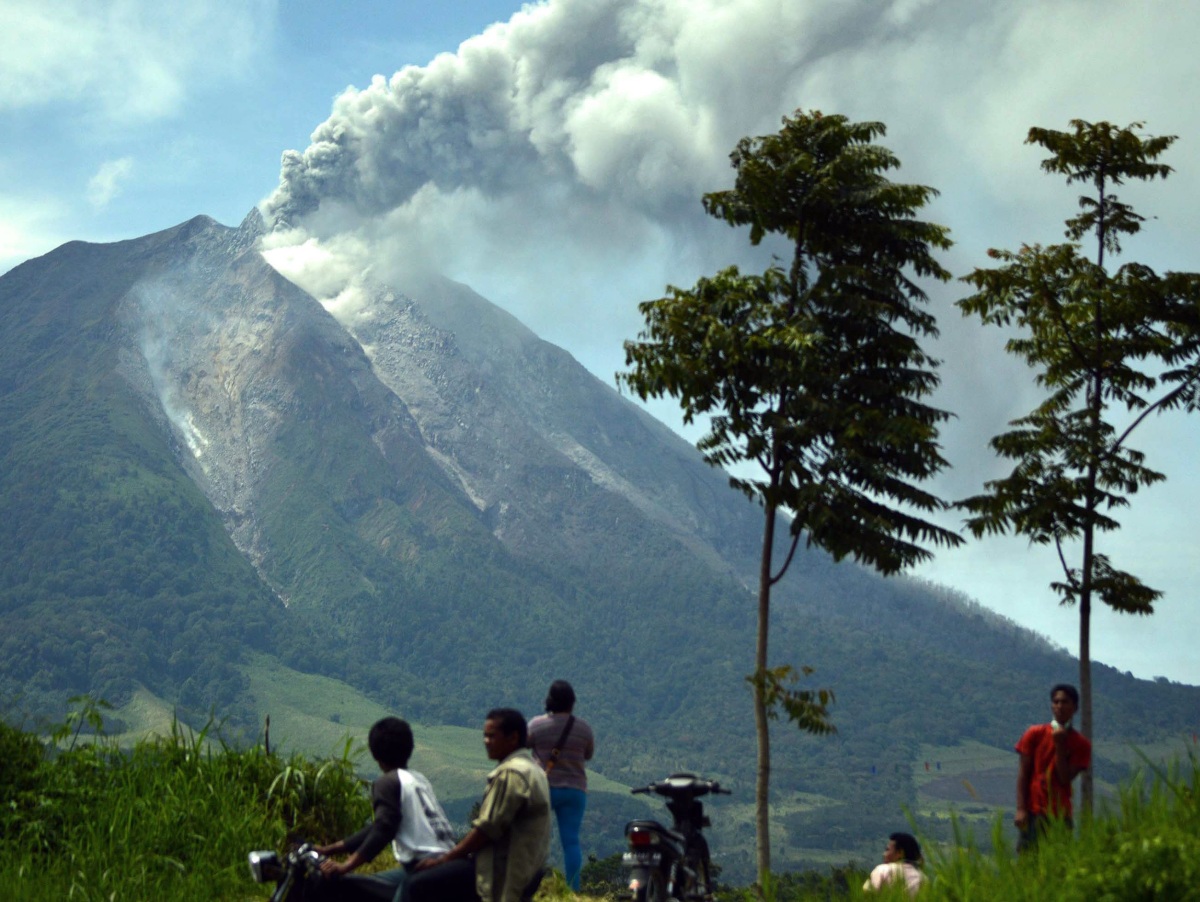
131 59
108 181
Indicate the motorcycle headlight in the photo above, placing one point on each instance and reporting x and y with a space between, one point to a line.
264 866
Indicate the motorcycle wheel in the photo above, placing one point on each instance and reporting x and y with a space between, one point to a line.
651 887
700 889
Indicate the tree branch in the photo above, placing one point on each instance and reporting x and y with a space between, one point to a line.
788 560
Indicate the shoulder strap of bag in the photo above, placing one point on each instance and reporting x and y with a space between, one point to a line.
558 746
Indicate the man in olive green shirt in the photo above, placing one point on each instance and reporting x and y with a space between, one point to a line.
510 838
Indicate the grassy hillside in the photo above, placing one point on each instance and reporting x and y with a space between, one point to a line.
173 817
968 785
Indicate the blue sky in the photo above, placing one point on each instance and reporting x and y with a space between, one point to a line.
554 162
179 117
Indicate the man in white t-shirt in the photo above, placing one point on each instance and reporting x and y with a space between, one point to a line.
407 814
901 864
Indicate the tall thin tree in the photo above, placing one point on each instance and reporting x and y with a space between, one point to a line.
1110 349
814 373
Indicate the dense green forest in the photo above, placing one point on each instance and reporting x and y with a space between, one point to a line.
104 538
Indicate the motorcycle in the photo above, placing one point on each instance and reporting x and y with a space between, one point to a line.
301 863
672 864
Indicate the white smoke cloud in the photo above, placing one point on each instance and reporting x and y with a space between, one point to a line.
610 101
108 181
556 163
589 122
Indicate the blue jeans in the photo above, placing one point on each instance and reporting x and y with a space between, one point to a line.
568 805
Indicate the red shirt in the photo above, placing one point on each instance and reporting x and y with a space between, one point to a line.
1038 744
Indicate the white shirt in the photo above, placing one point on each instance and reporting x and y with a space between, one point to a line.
424 828
895 871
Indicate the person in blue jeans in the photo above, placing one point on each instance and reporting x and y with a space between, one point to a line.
561 743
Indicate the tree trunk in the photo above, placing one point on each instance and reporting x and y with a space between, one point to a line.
762 809
1095 405
1096 411
1085 696
1085 651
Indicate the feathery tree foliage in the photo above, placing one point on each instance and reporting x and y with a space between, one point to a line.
1110 349
814 373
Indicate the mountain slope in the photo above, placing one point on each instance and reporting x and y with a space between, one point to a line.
426 501
107 549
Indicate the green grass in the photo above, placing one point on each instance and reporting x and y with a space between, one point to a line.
1143 844
172 816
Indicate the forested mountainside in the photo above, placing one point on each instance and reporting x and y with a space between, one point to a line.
198 461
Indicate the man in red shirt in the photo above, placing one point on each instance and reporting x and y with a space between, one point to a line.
1052 755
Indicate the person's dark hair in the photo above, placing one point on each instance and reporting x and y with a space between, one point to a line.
1071 691
391 742
561 698
907 843
510 721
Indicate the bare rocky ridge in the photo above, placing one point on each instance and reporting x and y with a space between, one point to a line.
517 424
212 336
502 411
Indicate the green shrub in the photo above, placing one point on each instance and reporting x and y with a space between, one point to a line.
1145 846
171 818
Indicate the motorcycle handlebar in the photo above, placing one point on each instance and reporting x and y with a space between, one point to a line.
705 786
